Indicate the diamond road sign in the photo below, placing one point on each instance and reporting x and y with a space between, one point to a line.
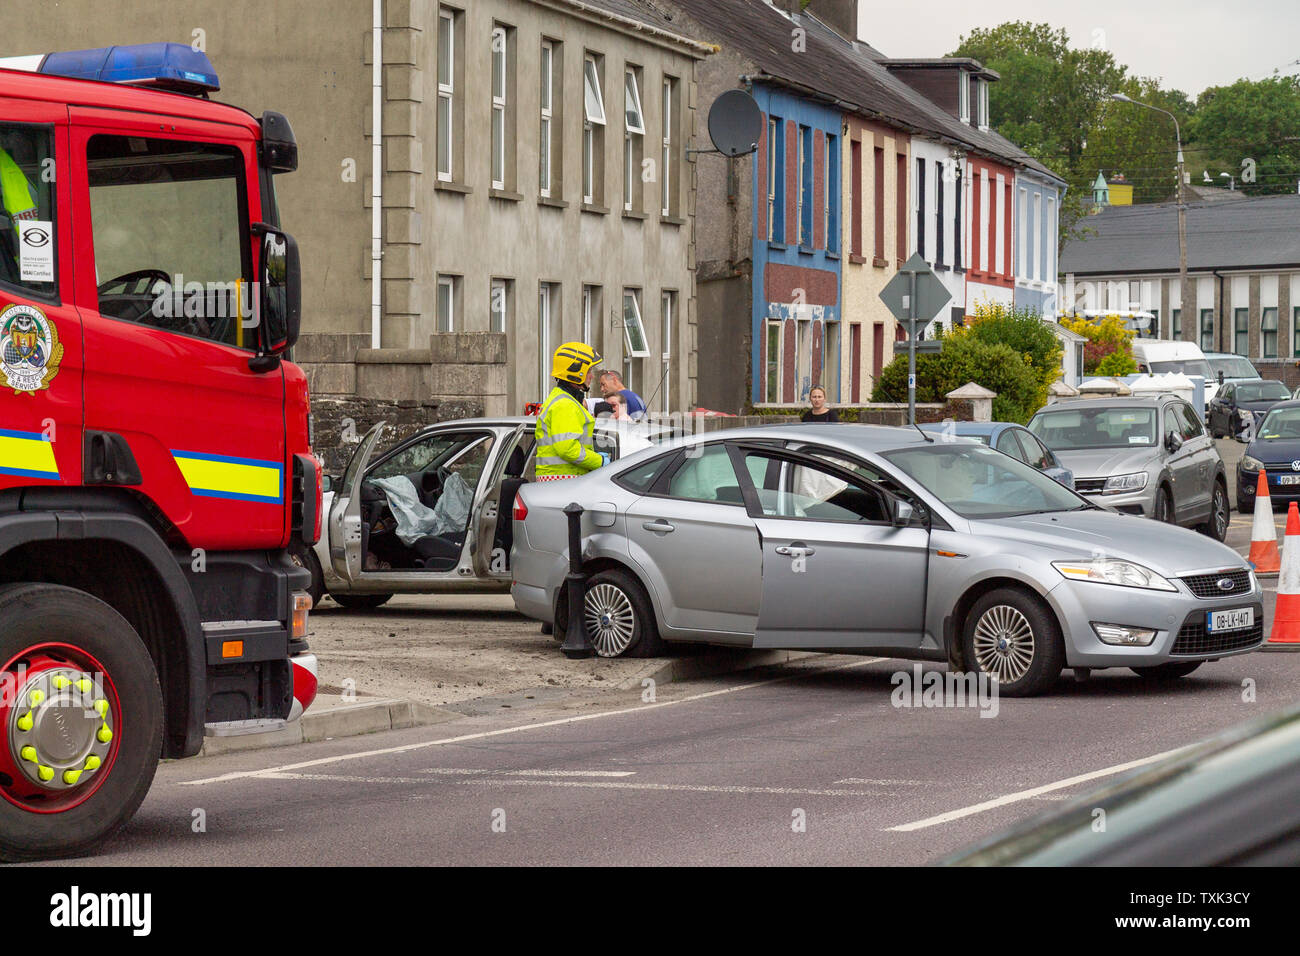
931 295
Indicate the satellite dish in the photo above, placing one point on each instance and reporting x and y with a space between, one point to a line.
735 123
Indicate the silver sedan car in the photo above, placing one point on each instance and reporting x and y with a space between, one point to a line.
860 539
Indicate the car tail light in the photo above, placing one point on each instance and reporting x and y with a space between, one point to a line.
520 510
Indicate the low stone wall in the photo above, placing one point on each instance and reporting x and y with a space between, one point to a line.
341 423
960 410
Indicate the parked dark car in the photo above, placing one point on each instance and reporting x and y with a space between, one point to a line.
1276 449
1010 439
1227 801
1237 397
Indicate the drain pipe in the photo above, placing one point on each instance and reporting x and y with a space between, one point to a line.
376 171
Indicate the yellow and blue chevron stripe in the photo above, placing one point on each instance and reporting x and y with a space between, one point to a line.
27 454
222 476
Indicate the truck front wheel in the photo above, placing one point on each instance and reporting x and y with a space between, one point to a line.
81 715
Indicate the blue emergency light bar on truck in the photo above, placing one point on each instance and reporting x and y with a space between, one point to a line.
167 66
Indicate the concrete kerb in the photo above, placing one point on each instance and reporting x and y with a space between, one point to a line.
375 715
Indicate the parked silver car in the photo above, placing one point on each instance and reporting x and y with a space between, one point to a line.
1143 456
431 513
861 539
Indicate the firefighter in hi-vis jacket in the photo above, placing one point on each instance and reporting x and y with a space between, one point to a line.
564 425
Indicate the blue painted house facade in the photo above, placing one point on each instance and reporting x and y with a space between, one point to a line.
1036 216
796 248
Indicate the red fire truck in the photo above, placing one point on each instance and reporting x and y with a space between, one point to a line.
155 460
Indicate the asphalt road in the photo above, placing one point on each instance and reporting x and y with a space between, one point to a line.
810 762
719 772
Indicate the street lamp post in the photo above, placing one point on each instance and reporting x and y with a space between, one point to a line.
1182 210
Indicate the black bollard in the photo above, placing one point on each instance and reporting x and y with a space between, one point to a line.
575 636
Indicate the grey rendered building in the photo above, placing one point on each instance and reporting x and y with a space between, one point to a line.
509 221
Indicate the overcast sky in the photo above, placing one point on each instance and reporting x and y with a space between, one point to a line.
1189 44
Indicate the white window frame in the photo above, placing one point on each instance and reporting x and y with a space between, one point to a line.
1036 225
798 186
631 108
448 283
545 142
999 226
633 320
591 89
588 303
1049 238
984 220
773 125
984 104
593 113
963 96
666 153
499 79
667 308
499 321
1022 211
447 94
545 304
826 189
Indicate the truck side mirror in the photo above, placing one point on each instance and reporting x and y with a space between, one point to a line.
280 291
1220 377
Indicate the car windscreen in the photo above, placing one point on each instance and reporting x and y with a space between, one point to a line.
977 482
1075 428
1233 368
1283 423
1262 392
1186 366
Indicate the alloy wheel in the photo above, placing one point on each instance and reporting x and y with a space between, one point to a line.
610 619
1004 643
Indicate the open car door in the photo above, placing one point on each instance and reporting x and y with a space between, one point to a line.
347 550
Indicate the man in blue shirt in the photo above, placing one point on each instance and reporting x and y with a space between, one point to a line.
611 382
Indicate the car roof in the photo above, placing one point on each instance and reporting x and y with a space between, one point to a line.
970 428
1119 401
854 438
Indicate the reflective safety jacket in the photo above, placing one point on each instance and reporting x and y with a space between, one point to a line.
15 192
564 437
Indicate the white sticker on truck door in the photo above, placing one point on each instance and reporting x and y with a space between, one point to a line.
36 245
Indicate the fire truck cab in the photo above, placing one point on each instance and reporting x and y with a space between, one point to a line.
155 460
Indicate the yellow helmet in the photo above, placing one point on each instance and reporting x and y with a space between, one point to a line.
572 362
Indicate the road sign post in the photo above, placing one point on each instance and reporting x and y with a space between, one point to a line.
915 295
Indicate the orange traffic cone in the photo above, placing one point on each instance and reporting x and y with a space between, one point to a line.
1285 635
1264 557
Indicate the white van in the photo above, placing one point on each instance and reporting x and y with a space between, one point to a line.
1154 356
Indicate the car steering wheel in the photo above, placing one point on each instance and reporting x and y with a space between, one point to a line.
128 279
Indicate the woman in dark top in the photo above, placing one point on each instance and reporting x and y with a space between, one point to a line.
819 411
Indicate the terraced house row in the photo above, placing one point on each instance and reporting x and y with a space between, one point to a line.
864 159
482 180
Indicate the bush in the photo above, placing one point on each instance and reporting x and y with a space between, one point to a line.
1025 332
965 358
1109 350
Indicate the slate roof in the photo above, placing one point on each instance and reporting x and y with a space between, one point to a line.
1257 233
849 75
654 13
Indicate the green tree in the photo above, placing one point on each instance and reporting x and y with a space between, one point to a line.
1250 125
1140 143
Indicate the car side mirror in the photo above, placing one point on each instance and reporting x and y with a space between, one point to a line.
1173 441
1220 378
903 512
327 483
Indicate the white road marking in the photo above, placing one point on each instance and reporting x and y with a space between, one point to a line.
870 782
1031 793
495 780
559 722
465 772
